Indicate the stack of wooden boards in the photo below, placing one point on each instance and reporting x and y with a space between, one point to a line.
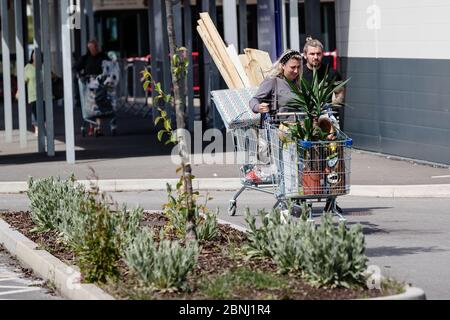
238 71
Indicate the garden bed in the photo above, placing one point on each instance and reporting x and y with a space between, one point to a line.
223 271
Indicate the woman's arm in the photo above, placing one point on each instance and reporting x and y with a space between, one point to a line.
258 103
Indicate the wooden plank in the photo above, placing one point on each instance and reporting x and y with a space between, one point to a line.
221 49
208 44
245 61
211 43
237 64
259 64
262 57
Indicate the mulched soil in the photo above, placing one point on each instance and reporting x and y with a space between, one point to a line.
217 257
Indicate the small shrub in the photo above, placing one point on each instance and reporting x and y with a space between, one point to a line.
164 265
45 197
285 245
258 238
176 210
334 256
96 239
207 228
88 221
128 227
325 256
69 215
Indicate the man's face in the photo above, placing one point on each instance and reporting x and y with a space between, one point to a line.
314 57
93 48
291 69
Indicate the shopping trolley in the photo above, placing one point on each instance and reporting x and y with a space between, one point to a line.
98 97
250 141
308 171
295 172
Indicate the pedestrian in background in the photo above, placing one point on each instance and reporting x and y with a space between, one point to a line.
90 65
30 81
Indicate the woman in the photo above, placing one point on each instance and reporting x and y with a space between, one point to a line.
30 81
275 91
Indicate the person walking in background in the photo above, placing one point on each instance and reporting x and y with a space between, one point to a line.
30 81
90 64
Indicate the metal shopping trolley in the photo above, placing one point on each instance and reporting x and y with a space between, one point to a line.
251 143
98 96
308 171
295 172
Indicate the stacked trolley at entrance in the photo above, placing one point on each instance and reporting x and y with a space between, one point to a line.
296 172
98 97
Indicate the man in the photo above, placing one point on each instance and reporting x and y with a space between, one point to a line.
90 64
313 54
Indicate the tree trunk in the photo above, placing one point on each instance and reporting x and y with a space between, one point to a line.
180 113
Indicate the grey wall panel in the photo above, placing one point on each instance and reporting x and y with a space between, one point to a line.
399 106
366 142
415 150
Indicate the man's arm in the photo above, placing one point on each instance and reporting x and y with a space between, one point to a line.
338 97
339 94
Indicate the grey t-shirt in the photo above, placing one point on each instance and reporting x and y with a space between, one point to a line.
267 91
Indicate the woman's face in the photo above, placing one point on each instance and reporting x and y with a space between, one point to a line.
291 69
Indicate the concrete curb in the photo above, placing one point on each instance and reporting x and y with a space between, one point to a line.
223 184
411 293
65 278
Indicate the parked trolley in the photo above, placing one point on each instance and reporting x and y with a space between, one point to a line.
295 172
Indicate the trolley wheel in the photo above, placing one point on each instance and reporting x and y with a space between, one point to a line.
83 132
232 208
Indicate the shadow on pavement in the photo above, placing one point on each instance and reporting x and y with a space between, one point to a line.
386 251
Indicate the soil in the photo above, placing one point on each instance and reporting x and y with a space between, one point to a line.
218 257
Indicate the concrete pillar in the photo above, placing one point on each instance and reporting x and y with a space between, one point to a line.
230 23
6 63
283 26
20 64
39 92
243 36
90 17
312 18
84 27
67 78
294 31
153 51
56 36
47 80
